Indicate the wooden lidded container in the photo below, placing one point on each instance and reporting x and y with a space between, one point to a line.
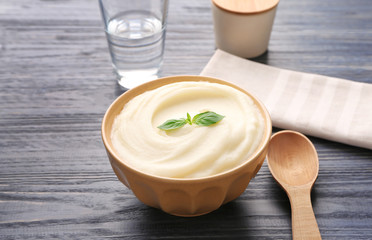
243 27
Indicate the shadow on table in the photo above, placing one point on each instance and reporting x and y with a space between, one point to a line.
263 58
228 221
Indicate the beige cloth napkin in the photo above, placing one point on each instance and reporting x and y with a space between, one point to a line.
326 107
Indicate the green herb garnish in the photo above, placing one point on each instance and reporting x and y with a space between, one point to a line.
202 119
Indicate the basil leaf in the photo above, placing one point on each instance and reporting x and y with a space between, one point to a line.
201 119
207 118
188 120
172 124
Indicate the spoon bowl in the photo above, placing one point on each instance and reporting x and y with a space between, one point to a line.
293 159
294 163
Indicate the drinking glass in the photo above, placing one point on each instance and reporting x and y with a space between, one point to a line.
135 32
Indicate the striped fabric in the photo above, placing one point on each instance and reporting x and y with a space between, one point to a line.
326 107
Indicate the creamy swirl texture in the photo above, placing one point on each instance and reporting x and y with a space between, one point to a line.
191 151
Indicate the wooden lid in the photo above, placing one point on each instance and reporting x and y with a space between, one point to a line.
246 6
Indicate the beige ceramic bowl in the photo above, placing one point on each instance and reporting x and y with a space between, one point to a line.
183 197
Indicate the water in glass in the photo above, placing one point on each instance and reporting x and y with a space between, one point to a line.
136 44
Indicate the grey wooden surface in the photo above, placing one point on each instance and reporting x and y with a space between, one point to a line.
56 83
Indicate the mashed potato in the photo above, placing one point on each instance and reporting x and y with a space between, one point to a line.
191 151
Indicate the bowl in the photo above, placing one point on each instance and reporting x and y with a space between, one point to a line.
184 196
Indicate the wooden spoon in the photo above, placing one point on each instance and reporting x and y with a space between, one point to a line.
294 164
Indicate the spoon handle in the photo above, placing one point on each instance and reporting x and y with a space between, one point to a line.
304 225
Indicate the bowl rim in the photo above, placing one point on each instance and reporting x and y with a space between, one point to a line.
186 78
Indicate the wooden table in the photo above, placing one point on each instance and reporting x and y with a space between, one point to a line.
56 83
